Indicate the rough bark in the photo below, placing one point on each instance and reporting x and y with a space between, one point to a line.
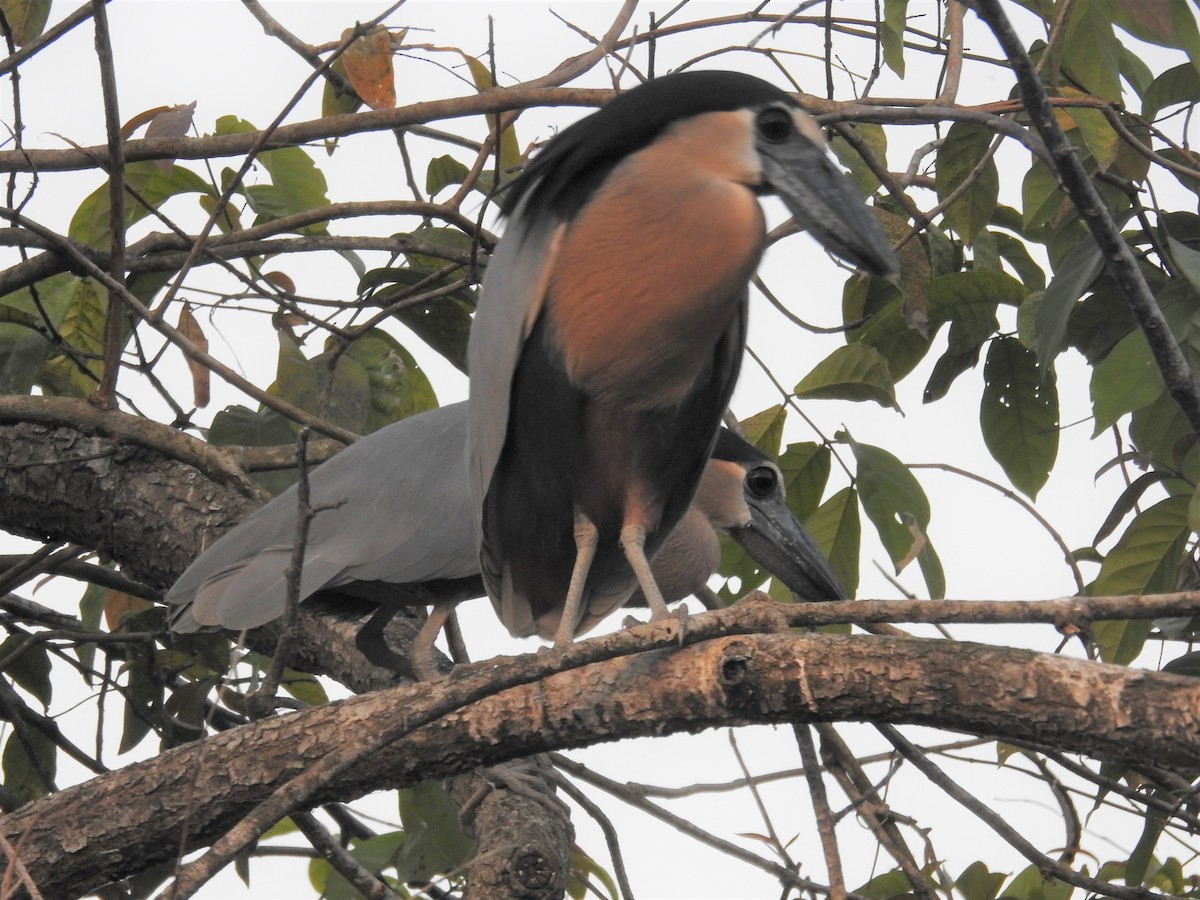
82 836
151 498
132 503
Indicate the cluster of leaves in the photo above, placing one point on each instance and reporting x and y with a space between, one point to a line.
973 262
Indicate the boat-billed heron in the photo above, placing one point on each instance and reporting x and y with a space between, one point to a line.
611 328
397 527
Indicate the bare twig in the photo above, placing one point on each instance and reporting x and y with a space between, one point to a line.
824 815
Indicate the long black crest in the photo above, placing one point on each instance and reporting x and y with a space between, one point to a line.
570 168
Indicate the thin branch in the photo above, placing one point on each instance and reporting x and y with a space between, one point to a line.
824 815
1048 867
105 394
1016 498
340 859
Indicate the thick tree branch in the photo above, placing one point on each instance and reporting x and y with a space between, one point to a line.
1105 711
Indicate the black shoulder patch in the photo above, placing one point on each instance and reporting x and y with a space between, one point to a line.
569 169
734 448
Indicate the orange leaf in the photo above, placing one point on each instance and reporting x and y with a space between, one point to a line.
119 606
201 377
281 280
368 65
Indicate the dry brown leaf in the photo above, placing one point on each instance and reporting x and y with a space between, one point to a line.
368 65
190 328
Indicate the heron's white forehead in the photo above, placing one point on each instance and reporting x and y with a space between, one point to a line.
808 127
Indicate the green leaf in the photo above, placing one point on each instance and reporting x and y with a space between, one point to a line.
1070 281
30 764
765 429
962 150
875 138
1091 51
335 102
27 662
1186 260
1125 380
398 387
851 372
1126 503
26 19
509 155
836 528
886 886
238 425
583 867
90 225
25 345
1144 561
375 854
1178 85
82 329
1161 431
891 34
977 883
143 696
1042 198
1167 24
1018 414
444 323
436 842
1030 885
304 687
439 236
1141 860
1016 254
1134 70
966 339
1188 664
1098 322
442 171
297 185
888 329
1090 128
894 502
805 467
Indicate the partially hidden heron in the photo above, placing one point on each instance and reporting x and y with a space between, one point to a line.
611 327
396 527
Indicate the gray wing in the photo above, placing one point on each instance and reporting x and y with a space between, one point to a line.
513 290
403 515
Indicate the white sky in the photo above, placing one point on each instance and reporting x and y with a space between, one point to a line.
174 51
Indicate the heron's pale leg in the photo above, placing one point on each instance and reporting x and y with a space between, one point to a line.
423 663
633 541
586 537
454 637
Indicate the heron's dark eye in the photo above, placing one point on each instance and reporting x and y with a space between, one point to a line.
762 481
775 125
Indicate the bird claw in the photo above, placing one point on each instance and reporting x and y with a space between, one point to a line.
532 779
681 616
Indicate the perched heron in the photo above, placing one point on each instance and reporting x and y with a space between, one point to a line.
397 528
611 328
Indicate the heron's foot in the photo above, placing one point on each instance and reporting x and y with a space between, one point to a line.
680 617
533 779
372 644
